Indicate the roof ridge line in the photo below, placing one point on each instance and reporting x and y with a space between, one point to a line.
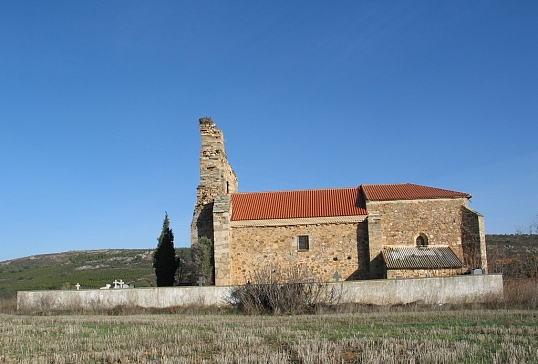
389 184
302 190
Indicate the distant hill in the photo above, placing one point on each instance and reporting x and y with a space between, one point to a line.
514 255
89 268
514 244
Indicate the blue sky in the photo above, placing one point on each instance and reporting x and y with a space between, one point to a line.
100 101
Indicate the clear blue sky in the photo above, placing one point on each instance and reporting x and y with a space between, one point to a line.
100 101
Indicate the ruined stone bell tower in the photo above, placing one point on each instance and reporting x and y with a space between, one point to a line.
217 178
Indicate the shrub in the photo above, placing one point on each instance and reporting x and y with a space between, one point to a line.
521 293
8 304
282 291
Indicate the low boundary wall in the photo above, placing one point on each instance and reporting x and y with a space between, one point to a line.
437 290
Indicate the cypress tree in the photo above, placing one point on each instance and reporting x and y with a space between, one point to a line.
207 260
165 261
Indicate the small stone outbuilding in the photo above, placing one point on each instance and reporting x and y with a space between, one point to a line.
371 231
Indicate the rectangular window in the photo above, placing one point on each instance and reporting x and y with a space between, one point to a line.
303 242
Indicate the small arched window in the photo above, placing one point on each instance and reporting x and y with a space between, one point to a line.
421 241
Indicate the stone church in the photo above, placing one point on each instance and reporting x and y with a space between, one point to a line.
372 231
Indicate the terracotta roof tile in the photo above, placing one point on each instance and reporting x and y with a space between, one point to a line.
407 191
298 204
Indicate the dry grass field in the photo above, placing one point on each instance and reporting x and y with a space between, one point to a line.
503 332
382 335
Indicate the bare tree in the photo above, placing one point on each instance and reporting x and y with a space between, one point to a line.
530 229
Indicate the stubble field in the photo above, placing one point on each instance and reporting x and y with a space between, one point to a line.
375 336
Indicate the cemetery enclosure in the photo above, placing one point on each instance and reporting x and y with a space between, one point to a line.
438 290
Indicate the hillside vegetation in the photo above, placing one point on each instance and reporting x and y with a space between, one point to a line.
515 256
90 268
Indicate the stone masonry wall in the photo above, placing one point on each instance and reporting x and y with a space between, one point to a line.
440 220
473 239
221 227
402 221
217 177
336 247
422 273
375 245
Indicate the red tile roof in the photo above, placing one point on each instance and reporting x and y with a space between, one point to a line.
327 202
407 191
298 204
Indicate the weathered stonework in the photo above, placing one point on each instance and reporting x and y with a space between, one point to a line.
221 231
473 238
443 222
404 220
421 273
375 244
332 248
217 177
